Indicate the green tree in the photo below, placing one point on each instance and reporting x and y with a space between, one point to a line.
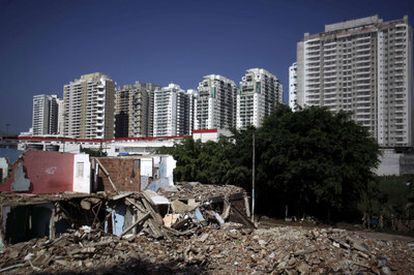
315 161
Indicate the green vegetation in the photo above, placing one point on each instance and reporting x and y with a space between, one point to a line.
391 200
93 152
313 161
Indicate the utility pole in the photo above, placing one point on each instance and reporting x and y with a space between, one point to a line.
253 174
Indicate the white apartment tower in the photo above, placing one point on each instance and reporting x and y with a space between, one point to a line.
215 103
193 95
89 104
293 86
260 92
363 66
61 117
45 115
172 108
134 110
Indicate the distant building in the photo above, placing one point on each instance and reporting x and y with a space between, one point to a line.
293 86
61 116
134 110
45 115
172 109
89 107
260 92
362 66
193 94
215 103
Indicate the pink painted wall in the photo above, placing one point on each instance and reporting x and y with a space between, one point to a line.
48 172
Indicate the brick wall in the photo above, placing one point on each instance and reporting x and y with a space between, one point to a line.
124 172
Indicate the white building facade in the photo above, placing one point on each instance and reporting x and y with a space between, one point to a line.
61 116
172 108
215 103
293 87
260 92
362 66
45 115
89 104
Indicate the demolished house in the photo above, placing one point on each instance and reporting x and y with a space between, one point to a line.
136 220
49 193
40 172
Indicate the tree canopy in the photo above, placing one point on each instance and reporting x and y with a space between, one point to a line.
314 161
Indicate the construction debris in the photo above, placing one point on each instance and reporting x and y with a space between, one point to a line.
230 250
191 228
120 213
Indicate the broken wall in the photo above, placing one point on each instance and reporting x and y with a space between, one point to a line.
81 173
42 172
124 173
147 171
25 222
47 172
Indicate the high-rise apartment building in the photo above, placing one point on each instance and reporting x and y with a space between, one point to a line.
134 110
61 116
193 95
89 104
215 103
293 87
172 111
45 115
363 66
260 92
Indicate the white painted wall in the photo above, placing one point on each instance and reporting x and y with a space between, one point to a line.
167 166
204 137
81 174
389 164
147 170
5 167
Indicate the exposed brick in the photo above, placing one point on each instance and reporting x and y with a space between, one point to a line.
124 172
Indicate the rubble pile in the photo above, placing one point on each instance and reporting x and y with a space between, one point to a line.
200 192
295 249
230 249
189 228
184 209
84 250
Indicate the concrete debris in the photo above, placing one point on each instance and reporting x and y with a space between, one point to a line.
193 228
170 219
197 192
287 249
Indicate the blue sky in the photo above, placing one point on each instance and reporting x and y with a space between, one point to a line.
45 44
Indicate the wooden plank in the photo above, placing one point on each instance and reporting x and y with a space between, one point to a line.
107 175
143 218
226 210
157 233
245 220
12 267
52 232
102 167
157 217
139 207
121 196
